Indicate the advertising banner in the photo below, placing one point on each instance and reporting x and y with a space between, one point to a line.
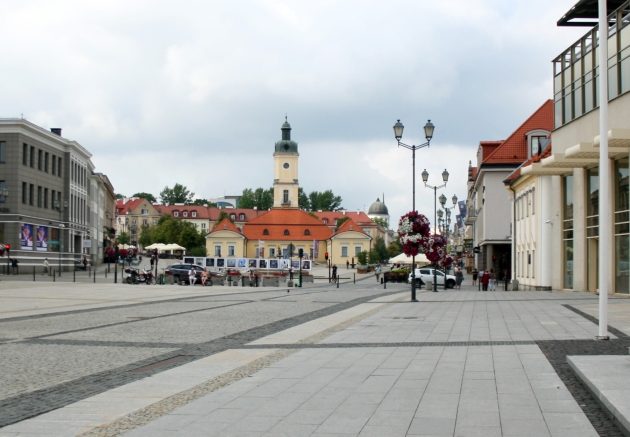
26 236
41 243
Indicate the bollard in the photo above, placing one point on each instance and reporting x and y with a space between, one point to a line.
54 276
33 273
337 281
384 283
74 276
354 278
94 276
116 273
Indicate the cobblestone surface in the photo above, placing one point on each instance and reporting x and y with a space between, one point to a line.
82 362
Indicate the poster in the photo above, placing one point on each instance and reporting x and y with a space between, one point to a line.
41 243
26 236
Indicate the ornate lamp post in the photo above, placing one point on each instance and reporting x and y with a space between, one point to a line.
428 134
447 220
425 179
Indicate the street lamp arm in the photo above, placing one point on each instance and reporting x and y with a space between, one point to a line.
435 187
412 147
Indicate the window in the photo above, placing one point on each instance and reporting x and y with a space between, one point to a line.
45 197
357 250
241 217
31 194
46 156
217 250
203 226
193 214
265 231
185 213
144 211
39 197
54 165
307 232
233 217
325 221
24 193
286 232
59 165
344 251
537 144
175 213
231 250
24 154
285 196
31 160
40 160
3 152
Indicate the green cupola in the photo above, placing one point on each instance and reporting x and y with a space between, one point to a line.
286 145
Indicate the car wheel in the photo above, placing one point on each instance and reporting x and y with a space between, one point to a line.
450 284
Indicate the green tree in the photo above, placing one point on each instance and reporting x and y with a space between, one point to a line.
119 196
381 222
123 238
178 194
170 230
394 248
379 252
303 202
150 197
324 201
260 198
203 202
362 257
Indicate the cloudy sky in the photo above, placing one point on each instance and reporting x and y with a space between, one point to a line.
195 92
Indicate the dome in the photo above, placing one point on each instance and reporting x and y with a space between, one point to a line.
378 208
286 145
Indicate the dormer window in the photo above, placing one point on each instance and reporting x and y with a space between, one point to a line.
193 214
185 214
286 232
175 213
241 217
266 232
537 141
307 232
325 221
233 217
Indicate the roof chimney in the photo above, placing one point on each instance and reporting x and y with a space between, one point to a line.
56 130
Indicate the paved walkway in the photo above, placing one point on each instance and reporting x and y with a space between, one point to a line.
457 363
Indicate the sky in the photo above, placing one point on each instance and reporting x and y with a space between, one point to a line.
195 92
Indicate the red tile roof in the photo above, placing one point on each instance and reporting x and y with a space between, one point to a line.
513 177
226 225
349 225
299 226
202 211
514 149
123 207
358 217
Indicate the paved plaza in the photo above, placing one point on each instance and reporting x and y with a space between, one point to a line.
358 360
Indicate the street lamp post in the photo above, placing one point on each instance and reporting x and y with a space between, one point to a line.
425 179
58 206
447 221
428 134
4 193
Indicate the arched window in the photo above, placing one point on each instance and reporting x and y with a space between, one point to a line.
175 213
325 221
266 232
185 214
307 232
193 214
233 217
286 232
241 217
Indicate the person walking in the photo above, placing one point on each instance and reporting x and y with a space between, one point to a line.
377 272
459 278
191 276
493 281
474 276
46 266
334 273
485 280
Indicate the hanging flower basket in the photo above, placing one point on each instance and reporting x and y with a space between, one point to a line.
413 229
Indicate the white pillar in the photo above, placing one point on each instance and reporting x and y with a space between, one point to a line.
544 244
605 210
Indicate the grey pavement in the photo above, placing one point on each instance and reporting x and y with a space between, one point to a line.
456 363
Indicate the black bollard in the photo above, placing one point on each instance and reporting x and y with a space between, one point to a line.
354 278
94 276
54 276
74 275
116 273
33 273
337 281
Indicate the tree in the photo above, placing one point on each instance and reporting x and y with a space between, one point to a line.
381 222
203 202
303 202
123 238
178 194
324 201
379 250
170 230
150 197
260 198
119 196
394 248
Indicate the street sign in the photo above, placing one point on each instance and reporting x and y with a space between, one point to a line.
476 249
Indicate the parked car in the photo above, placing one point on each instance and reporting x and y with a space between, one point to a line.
426 274
179 272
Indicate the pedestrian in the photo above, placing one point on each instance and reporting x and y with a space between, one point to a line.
485 280
377 272
84 261
493 281
46 266
191 276
204 278
347 264
474 276
291 273
334 273
459 278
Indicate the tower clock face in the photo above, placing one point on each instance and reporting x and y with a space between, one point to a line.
285 165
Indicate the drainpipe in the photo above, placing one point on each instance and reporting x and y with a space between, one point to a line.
513 260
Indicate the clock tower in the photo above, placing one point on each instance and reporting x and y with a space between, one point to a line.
285 182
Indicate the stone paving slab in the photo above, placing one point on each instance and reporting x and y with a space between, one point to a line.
608 378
